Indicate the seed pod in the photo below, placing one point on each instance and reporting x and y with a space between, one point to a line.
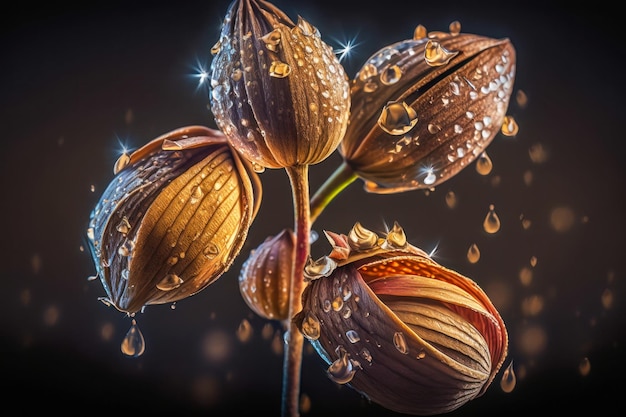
173 219
425 108
278 92
408 333
265 277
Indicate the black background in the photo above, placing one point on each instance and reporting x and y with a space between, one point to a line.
78 81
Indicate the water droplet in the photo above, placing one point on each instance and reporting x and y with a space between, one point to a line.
123 226
508 381
244 331
337 303
365 354
216 48
420 32
391 75
491 224
353 336
397 118
311 326
342 370
126 248
521 98
196 195
133 344
272 40
473 253
451 199
435 54
562 219
279 69
525 276
584 367
121 163
509 126
211 251
607 298
538 153
483 164
455 27
170 282
430 177
400 342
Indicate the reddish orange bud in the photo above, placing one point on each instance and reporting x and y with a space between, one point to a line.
408 333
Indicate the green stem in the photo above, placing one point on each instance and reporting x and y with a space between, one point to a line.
292 361
336 183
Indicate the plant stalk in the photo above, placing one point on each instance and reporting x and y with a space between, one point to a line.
292 361
334 184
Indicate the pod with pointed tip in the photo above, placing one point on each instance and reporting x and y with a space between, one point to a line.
425 108
403 330
278 91
173 219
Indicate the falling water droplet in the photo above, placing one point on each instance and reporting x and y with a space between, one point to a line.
133 344
244 331
483 164
451 199
509 126
584 367
491 224
473 253
508 381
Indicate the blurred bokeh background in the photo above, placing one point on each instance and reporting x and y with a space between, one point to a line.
81 82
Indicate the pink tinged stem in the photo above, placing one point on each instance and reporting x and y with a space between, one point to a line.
299 179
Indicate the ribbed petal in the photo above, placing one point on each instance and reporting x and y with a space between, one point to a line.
172 221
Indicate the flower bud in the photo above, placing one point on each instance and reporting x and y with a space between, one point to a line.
425 108
265 277
406 332
278 92
173 219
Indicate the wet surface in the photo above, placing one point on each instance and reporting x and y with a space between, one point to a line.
80 84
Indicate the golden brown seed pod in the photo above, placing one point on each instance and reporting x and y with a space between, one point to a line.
408 333
173 219
265 277
425 108
278 91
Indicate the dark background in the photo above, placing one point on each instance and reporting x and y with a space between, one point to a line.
78 82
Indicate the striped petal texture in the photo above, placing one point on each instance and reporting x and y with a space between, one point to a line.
403 330
173 219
